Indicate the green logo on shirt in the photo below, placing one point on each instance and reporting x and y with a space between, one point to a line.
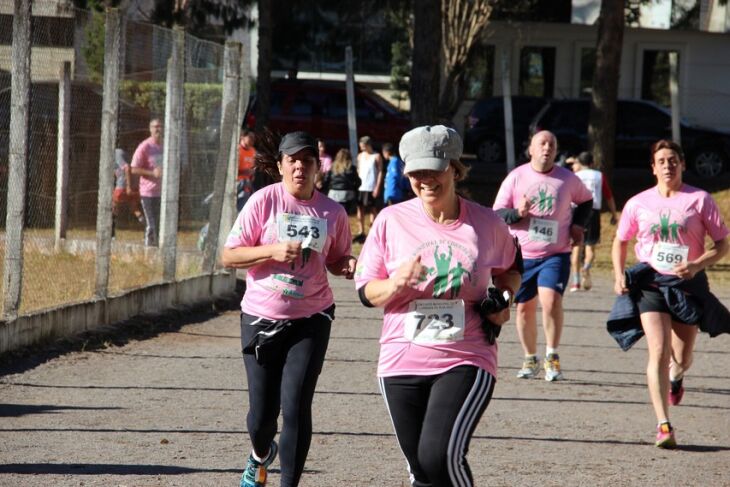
665 231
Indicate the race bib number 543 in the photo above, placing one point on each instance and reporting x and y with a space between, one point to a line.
435 321
309 230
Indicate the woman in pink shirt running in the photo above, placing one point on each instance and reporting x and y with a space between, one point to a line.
429 262
288 236
670 222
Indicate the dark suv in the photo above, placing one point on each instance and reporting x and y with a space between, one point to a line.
639 124
484 135
320 108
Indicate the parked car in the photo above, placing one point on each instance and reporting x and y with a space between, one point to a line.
484 135
639 124
320 108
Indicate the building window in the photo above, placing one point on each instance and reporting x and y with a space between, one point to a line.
537 71
587 67
479 78
655 76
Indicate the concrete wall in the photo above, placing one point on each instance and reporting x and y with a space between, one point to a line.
72 319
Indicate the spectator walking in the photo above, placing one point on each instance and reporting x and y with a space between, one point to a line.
147 164
246 157
666 296
288 237
596 183
370 171
535 200
428 262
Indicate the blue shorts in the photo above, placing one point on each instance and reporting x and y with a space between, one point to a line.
551 272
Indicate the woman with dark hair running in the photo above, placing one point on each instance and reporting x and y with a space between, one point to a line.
288 236
666 296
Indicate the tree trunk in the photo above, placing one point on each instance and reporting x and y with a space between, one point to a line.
263 77
602 122
425 69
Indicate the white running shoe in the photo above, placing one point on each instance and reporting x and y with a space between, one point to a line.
552 368
530 368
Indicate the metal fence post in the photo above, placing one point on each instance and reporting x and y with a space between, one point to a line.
229 212
109 114
64 143
229 116
18 158
674 95
509 139
174 114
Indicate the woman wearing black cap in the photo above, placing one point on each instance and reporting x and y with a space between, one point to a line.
288 236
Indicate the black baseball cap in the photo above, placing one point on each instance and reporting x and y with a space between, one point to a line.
293 142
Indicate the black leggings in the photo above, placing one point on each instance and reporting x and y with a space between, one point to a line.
434 418
287 384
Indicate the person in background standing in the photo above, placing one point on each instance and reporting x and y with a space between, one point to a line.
396 184
342 180
325 166
599 188
370 171
147 164
246 158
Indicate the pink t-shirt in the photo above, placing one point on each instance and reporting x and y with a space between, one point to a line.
148 156
280 290
461 257
325 163
685 219
546 230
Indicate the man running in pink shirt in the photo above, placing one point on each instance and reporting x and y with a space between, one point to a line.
535 201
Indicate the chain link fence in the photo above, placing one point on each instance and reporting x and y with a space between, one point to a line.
59 248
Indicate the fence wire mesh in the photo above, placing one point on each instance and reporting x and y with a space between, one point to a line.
56 274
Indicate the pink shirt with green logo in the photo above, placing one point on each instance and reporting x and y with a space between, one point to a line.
684 218
550 195
460 258
280 290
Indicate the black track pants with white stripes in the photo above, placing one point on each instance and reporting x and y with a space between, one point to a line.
434 418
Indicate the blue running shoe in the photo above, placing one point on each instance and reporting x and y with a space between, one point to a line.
256 472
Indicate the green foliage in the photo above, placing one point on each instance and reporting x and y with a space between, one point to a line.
201 99
400 69
93 49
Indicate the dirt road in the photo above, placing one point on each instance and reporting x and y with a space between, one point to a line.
170 411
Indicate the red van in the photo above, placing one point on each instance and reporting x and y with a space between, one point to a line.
320 108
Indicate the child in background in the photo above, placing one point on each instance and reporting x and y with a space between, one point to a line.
342 180
396 184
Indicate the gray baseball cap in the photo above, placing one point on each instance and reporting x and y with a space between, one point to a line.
293 142
430 148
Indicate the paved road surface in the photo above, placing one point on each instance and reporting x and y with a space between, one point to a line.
169 411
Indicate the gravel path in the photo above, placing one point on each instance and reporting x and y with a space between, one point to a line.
170 411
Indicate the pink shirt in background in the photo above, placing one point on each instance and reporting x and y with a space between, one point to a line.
148 156
275 290
325 163
460 257
685 218
551 195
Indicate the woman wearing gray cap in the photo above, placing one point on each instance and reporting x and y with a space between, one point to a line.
429 263
288 236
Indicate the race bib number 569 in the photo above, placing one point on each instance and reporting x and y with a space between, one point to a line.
664 256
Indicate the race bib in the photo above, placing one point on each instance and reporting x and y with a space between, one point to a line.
664 256
543 230
435 321
309 230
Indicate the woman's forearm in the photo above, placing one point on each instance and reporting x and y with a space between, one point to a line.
245 257
379 291
714 254
618 257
